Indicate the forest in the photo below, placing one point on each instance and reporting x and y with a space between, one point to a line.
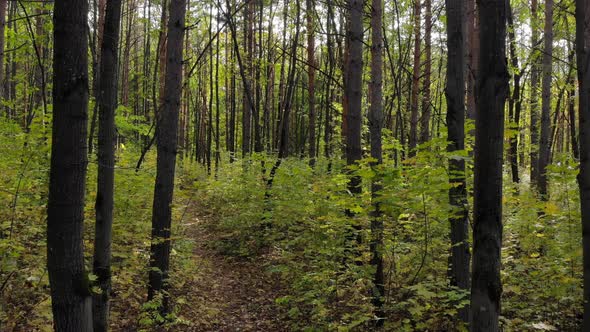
303 165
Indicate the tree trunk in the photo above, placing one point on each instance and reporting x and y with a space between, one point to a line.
3 5
534 95
310 4
514 102
455 93
70 291
492 86
426 102
583 66
545 144
167 132
354 88
107 104
414 111
375 124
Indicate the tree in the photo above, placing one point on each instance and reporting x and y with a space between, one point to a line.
426 97
311 79
414 111
534 119
455 93
492 86
515 102
107 104
375 124
583 67
353 86
167 137
70 291
545 143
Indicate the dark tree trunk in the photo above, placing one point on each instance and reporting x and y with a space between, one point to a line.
534 94
515 102
492 89
107 104
3 5
583 66
70 292
415 88
375 125
545 144
472 56
455 93
310 4
426 102
571 108
353 86
167 132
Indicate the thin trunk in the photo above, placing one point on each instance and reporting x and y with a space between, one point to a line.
167 132
107 104
426 102
415 88
544 144
310 4
583 66
375 125
514 104
534 120
455 93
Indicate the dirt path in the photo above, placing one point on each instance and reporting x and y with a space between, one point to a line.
229 294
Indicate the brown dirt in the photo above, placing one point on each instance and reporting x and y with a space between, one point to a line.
228 293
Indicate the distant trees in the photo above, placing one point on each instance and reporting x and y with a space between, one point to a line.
70 289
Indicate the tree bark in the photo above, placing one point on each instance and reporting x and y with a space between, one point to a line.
353 88
515 102
426 102
107 104
167 138
545 144
70 291
375 125
492 88
455 94
583 67
310 4
534 125
415 89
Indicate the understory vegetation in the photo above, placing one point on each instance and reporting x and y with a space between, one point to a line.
300 232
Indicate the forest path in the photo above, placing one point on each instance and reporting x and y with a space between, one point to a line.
228 293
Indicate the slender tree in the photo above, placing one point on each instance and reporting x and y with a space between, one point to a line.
514 103
492 89
311 79
583 67
70 292
455 92
415 89
375 125
167 137
534 103
107 103
545 143
426 94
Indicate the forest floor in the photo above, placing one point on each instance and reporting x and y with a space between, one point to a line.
236 294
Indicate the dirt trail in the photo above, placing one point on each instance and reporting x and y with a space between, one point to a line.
235 294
